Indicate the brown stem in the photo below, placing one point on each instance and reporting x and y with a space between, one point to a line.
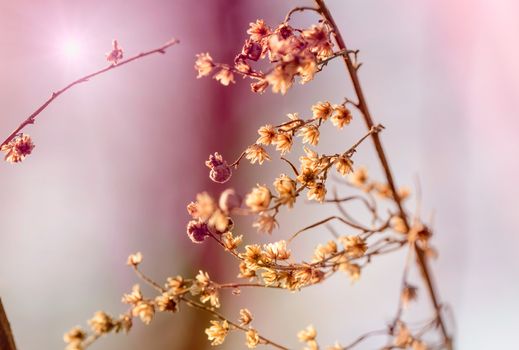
32 118
363 107
6 335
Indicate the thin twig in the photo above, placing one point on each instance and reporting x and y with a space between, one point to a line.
32 118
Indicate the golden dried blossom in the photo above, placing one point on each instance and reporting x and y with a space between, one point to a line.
355 246
18 148
267 134
245 317
258 30
317 192
101 323
277 250
217 332
124 323
308 176
176 285
252 338
344 165
166 302
265 223
256 153
308 334
419 233
353 270
203 208
282 77
204 64
258 199
403 338
286 189
230 242
206 288
341 116
246 271
283 142
310 134
134 259
224 76
253 255
322 110
409 294
318 39
145 310
307 68
398 224
75 335
359 177
418 345
336 346
134 297
322 252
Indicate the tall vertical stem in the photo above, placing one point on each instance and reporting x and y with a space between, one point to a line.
6 336
363 107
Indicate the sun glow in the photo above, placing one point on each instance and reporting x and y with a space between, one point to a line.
71 49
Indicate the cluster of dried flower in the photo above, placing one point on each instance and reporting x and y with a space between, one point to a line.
291 52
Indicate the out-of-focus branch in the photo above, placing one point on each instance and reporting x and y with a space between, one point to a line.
32 118
6 335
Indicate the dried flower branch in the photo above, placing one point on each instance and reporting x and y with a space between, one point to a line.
18 145
292 54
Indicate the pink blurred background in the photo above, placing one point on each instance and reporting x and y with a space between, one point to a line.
119 157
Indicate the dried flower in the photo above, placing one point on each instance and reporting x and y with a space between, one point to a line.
409 293
197 231
286 189
116 54
259 86
101 323
283 143
220 171
355 246
230 242
258 30
308 334
245 317
145 310
224 76
217 332
359 177
265 223
267 135
134 297
166 302
134 259
317 192
341 116
344 165
18 148
75 335
204 64
229 200
259 199
256 153
322 110
252 338
310 134
277 250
